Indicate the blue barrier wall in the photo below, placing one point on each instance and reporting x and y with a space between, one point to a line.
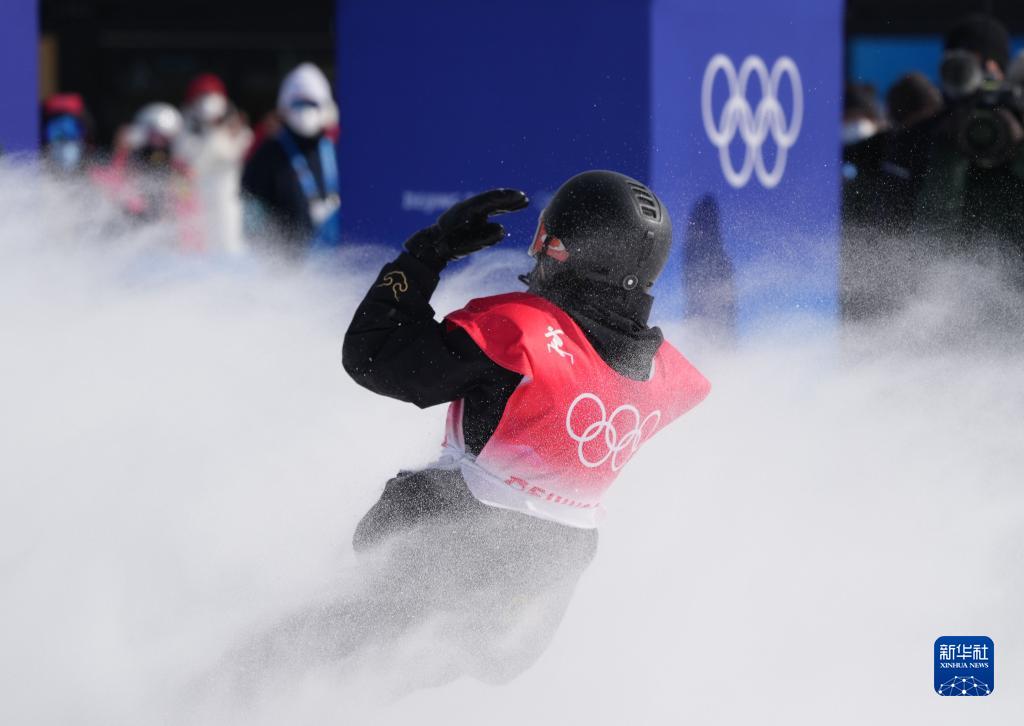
442 99
747 100
445 98
19 75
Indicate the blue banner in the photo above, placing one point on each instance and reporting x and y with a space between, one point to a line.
19 75
730 111
443 99
746 107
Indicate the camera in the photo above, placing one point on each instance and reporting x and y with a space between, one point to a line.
989 115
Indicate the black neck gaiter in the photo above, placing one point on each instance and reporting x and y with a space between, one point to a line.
614 321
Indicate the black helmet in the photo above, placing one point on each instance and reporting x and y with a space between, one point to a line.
603 226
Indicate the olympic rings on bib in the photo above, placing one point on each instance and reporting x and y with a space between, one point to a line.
622 432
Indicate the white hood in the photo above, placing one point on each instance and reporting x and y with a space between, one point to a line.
307 83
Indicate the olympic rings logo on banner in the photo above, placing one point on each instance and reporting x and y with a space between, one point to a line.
752 123
619 445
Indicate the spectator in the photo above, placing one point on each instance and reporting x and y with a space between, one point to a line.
65 134
986 39
947 178
141 176
866 141
211 149
862 114
148 141
912 100
881 186
972 196
293 176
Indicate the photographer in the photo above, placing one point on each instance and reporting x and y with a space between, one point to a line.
946 178
972 194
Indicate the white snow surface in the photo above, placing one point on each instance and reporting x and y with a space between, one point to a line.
183 460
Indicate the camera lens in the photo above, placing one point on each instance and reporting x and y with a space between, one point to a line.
987 137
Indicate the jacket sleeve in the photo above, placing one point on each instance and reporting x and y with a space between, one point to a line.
396 348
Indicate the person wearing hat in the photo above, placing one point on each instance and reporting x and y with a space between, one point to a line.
66 129
211 149
972 197
292 178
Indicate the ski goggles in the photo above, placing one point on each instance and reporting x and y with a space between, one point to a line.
547 244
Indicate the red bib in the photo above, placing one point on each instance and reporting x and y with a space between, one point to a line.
573 422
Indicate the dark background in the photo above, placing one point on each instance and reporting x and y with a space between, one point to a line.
924 16
121 54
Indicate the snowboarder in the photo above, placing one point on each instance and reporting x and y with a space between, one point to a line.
550 391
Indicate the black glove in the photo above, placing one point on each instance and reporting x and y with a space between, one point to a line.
464 228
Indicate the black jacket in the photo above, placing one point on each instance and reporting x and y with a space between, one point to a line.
396 348
270 180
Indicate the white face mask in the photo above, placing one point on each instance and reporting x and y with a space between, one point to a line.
66 154
859 130
211 108
307 121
